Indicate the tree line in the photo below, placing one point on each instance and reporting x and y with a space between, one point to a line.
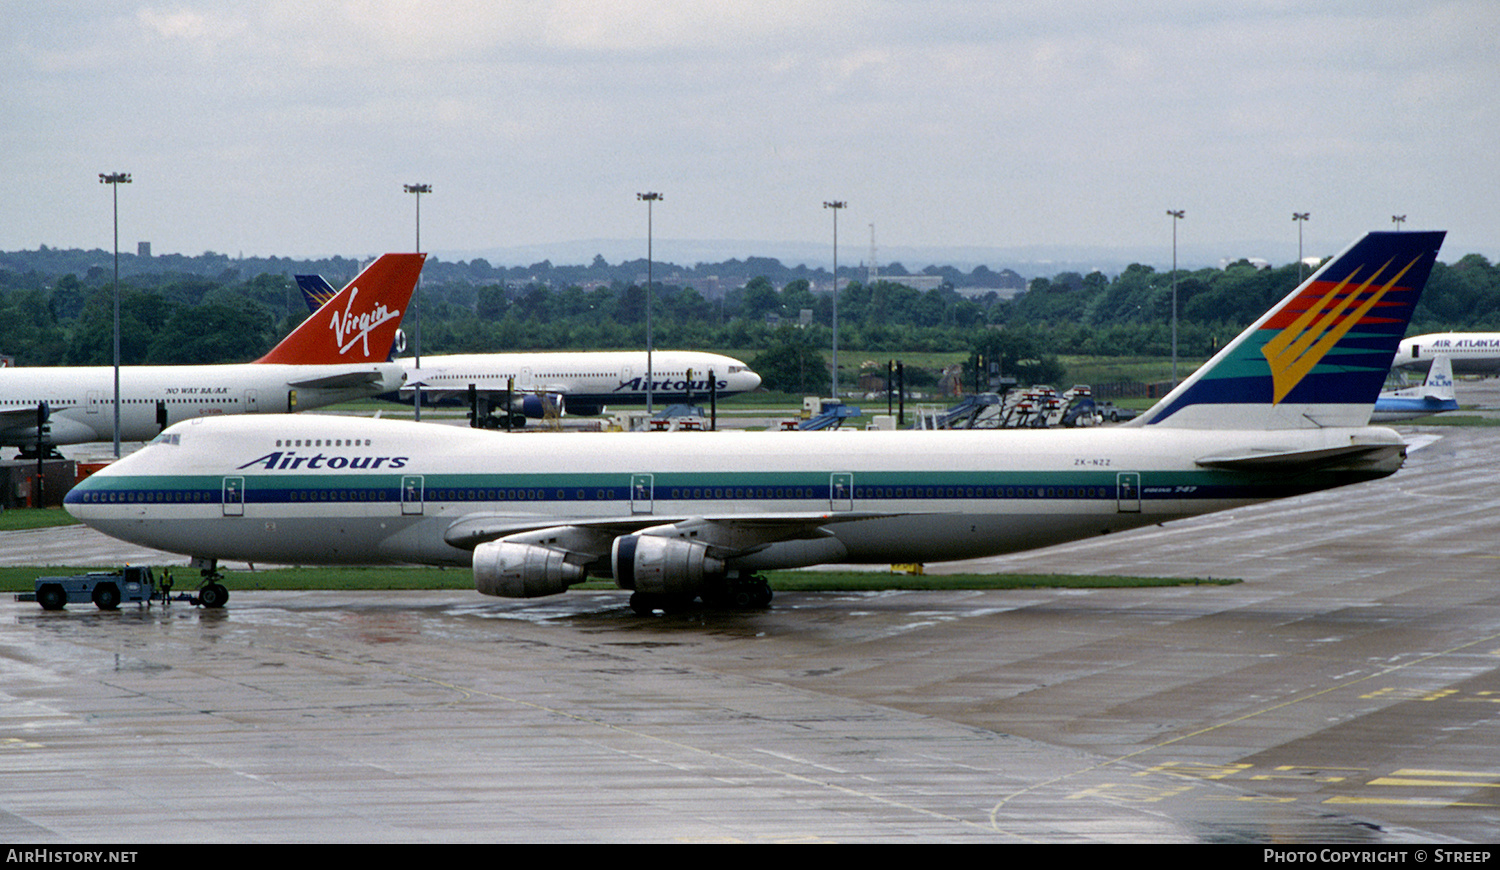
183 318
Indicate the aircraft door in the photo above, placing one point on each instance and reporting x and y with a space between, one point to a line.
1128 492
252 404
641 494
841 491
95 399
411 495
234 496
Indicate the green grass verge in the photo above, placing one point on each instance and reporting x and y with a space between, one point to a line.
22 579
20 519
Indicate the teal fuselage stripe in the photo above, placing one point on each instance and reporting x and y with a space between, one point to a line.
872 486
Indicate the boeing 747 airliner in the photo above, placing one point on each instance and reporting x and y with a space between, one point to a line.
1280 411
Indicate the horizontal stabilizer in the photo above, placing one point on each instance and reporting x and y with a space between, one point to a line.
1303 460
339 381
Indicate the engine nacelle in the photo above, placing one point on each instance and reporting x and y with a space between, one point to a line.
516 570
661 566
535 406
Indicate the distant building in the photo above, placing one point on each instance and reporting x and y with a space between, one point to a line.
915 282
143 250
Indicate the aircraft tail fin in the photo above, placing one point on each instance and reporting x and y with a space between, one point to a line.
316 291
1319 357
359 324
1439 383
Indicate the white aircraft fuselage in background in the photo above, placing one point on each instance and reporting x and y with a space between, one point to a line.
336 354
1472 353
677 516
586 381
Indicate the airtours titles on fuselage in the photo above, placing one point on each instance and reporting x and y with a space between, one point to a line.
638 385
290 461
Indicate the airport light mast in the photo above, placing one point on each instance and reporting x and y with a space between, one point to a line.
1300 217
1398 220
114 180
835 205
1176 216
416 300
650 198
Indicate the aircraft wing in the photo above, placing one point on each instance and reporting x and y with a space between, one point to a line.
25 415
732 533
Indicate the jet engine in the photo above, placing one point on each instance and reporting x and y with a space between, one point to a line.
535 406
662 566
511 569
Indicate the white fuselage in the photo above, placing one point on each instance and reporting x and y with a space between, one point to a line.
588 379
81 400
314 490
1472 353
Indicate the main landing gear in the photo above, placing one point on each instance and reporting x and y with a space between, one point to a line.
750 592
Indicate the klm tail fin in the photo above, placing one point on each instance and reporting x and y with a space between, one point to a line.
1433 396
315 291
1439 383
359 324
1320 356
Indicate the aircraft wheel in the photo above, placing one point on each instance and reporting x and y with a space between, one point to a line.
213 595
106 596
51 597
642 603
677 603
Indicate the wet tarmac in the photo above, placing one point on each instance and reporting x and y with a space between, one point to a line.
1348 691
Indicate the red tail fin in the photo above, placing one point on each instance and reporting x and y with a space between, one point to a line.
359 324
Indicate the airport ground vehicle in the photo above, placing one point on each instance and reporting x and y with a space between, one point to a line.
109 589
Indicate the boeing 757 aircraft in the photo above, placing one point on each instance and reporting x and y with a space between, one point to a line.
1472 353
581 383
337 354
1282 410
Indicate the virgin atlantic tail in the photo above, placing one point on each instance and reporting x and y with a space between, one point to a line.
359 323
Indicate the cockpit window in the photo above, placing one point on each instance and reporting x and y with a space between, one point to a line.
172 438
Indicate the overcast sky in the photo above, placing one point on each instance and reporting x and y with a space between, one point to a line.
288 128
